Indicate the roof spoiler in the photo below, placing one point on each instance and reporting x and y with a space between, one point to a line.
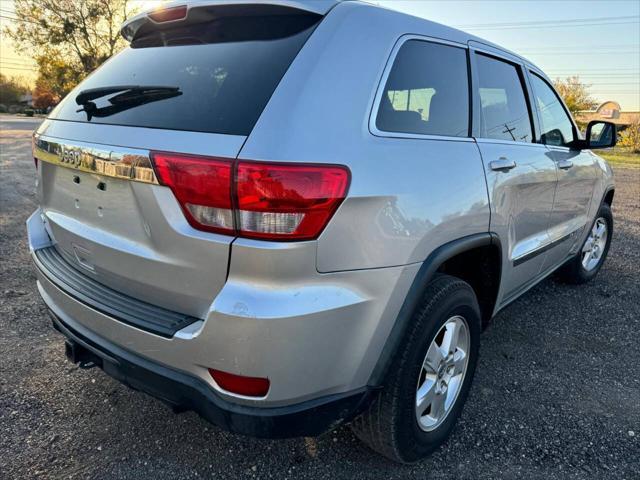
176 12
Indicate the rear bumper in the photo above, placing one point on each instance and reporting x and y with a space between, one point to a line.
316 337
184 392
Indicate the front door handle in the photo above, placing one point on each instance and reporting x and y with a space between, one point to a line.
565 164
502 165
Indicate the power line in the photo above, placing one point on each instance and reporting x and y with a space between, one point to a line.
597 77
552 23
569 49
584 50
617 92
4 67
605 71
629 52
577 47
19 68
614 83
19 20
17 61
20 63
547 22
551 26
588 74
600 69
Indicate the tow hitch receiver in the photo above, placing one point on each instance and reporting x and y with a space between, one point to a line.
76 353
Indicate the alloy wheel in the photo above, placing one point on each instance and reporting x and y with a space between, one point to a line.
594 247
442 373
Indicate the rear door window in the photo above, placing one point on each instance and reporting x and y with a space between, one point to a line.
226 70
427 91
503 105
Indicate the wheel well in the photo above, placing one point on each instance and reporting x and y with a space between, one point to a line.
480 268
608 198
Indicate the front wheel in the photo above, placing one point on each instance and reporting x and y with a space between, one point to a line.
430 376
589 260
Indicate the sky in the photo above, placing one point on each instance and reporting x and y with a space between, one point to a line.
599 40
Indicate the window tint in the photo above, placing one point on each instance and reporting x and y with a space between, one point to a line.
504 111
226 71
427 91
555 124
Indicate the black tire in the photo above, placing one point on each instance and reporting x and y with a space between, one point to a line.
574 272
390 425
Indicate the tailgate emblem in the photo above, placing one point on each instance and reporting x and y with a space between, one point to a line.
71 156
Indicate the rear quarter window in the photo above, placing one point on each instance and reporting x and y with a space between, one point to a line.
427 91
226 71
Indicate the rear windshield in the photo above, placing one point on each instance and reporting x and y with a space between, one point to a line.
222 74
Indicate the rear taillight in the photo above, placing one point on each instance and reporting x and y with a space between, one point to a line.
287 202
202 187
261 200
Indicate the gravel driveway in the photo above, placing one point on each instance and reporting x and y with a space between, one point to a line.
556 393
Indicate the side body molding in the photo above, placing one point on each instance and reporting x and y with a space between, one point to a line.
413 298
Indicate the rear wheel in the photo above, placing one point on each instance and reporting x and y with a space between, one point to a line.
591 256
429 378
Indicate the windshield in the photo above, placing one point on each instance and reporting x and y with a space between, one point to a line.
225 72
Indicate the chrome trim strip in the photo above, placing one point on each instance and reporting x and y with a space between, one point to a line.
115 162
539 251
545 247
509 142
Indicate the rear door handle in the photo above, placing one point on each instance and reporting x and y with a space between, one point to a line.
565 164
502 165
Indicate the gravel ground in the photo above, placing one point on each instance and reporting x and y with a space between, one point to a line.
556 393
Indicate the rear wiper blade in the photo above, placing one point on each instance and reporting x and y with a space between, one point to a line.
129 96
86 96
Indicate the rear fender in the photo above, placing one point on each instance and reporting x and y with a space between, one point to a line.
414 297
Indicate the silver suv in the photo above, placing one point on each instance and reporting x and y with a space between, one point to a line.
286 215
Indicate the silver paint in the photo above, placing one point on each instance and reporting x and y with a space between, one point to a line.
312 316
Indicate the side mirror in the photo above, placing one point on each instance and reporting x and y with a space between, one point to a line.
600 135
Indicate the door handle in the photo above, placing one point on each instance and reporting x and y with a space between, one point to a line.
565 164
502 165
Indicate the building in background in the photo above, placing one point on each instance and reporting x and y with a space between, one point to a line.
611 112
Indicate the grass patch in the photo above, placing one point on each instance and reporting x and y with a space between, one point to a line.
621 158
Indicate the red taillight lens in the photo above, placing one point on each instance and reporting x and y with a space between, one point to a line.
288 201
270 201
248 386
202 186
168 14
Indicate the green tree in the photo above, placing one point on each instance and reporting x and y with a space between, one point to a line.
56 75
11 90
630 137
68 38
575 94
